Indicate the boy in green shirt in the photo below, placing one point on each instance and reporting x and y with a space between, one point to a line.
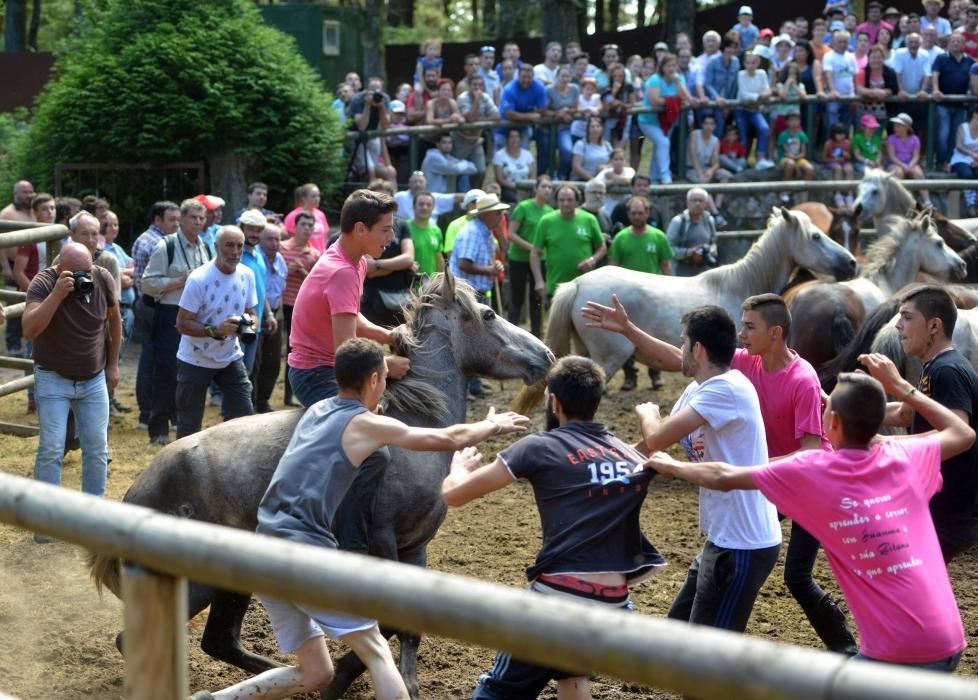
792 152
867 146
571 239
522 238
426 236
640 246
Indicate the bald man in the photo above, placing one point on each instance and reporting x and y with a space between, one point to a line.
68 306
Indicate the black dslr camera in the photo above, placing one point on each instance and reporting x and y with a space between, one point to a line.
707 254
84 284
246 330
377 96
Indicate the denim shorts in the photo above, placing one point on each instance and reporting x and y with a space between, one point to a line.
313 385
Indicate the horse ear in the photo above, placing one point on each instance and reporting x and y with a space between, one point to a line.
858 209
448 288
787 216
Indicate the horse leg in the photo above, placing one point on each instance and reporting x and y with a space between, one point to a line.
410 641
222 635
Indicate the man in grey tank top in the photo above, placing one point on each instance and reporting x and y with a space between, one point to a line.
330 442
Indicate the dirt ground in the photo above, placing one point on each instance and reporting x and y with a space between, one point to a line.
59 636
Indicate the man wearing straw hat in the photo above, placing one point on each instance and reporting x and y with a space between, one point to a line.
474 255
931 10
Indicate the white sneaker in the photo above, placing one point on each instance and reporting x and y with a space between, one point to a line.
719 220
763 164
785 197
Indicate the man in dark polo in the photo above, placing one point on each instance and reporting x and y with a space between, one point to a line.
74 368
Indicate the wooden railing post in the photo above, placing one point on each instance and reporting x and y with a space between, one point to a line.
155 638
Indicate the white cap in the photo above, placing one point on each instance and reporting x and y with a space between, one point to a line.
397 106
781 38
745 10
471 197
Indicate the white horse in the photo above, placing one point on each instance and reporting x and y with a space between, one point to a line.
912 246
657 303
881 194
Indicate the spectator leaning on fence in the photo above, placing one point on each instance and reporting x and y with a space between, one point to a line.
665 89
951 76
524 101
475 105
68 306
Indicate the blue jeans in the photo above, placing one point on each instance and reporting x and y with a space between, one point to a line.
250 353
128 325
946 665
565 146
837 113
949 120
746 117
89 400
191 393
312 385
143 330
167 342
966 172
659 166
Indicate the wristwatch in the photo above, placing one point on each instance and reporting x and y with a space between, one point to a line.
209 330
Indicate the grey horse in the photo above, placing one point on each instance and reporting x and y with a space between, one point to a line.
220 475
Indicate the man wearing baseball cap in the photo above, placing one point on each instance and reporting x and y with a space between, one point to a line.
453 229
746 28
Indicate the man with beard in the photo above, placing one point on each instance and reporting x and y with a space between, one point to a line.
18 210
217 298
593 548
717 418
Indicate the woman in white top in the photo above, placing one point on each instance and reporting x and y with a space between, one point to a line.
592 153
589 102
512 164
704 163
617 173
964 160
752 84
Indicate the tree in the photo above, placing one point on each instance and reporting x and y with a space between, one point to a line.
559 21
15 26
680 16
374 21
191 81
511 19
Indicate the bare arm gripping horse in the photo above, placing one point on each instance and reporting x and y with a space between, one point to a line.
221 474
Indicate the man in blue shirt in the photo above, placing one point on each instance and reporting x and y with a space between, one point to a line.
720 78
951 76
270 351
523 101
253 224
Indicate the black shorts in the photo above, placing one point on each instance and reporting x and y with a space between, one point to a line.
512 679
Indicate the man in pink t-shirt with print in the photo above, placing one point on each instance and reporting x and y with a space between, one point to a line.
327 313
867 503
791 406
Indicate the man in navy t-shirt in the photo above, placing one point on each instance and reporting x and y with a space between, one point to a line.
523 101
589 488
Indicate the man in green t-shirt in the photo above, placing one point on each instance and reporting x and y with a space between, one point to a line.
522 236
646 249
640 246
570 238
426 236
451 231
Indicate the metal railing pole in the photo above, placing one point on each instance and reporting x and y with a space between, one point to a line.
931 134
683 139
413 152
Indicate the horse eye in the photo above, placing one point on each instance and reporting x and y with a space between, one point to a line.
816 236
488 315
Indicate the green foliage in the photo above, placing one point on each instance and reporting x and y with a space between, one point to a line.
181 80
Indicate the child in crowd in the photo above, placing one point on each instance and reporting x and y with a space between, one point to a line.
788 87
793 152
589 102
430 58
733 155
867 145
903 153
838 158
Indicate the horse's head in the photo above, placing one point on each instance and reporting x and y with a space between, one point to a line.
844 228
810 248
934 257
955 236
483 343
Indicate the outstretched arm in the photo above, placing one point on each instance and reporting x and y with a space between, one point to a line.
955 436
469 479
616 319
711 475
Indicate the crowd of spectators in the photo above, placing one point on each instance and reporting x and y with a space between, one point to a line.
740 90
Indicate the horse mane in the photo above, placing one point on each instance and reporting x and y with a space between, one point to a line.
755 265
882 252
415 394
893 189
847 360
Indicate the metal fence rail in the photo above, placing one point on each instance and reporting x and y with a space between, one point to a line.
641 649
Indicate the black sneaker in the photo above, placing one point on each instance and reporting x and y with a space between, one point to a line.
629 384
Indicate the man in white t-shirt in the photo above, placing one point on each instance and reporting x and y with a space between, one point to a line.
217 307
546 72
417 183
718 417
839 68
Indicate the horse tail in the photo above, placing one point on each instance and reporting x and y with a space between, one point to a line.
861 343
560 333
106 572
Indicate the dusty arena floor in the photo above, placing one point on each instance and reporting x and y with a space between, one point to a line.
59 637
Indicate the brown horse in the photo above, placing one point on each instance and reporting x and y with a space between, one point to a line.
841 225
825 318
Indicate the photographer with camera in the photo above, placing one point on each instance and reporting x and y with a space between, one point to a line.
216 316
68 305
693 236
370 110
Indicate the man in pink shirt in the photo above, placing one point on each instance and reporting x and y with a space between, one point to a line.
791 406
327 313
867 503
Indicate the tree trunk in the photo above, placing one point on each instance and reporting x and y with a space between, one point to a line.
640 13
559 21
400 13
599 16
614 12
511 21
475 17
489 18
582 18
35 25
228 176
15 27
374 19
680 17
